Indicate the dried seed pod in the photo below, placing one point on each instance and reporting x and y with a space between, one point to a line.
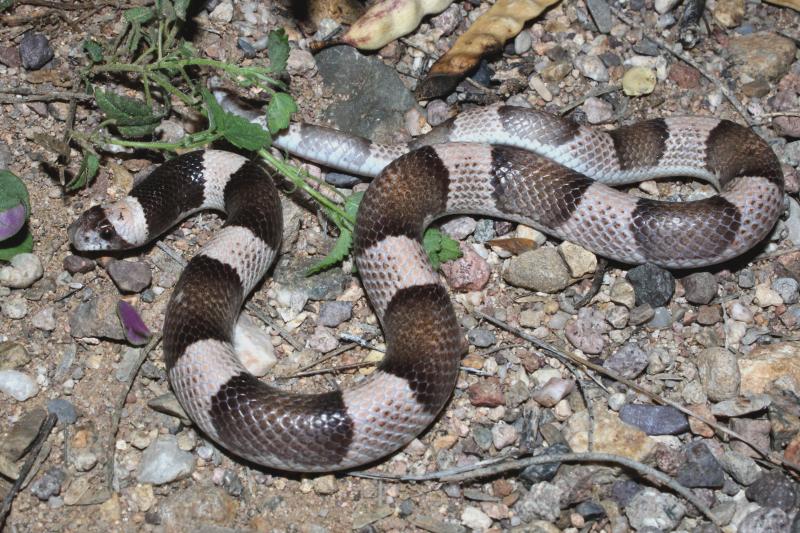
389 19
487 34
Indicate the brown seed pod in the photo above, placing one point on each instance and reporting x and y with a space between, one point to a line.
487 34
389 19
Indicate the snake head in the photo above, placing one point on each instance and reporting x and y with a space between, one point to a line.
105 228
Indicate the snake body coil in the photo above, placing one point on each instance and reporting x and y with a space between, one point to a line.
501 161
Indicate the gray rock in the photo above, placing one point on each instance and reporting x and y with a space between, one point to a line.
662 318
742 405
331 314
459 228
586 333
654 419
741 468
650 508
522 42
481 337
546 471
590 510
18 385
623 490
35 51
376 99
199 507
163 462
290 275
232 484
44 319
762 55
130 276
601 14
13 356
482 437
63 409
719 373
700 287
484 231
788 289
23 270
747 279
542 502
646 47
653 285
49 484
641 314
96 317
438 111
15 308
701 468
22 434
773 489
597 110
765 521
592 67
629 361
541 270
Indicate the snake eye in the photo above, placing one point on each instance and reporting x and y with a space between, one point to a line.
106 232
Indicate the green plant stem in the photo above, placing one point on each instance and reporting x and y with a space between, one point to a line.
293 175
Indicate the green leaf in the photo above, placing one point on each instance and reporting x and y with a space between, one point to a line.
5 4
139 15
180 8
132 117
337 254
279 110
343 244
237 130
440 247
13 191
89 167
21 243
278 50
93 50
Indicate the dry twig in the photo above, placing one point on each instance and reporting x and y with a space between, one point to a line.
33 454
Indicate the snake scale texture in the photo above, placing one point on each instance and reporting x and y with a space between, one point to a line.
507 162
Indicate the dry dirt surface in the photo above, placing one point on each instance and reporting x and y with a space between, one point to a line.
721 342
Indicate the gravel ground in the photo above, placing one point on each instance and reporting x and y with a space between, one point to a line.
721 342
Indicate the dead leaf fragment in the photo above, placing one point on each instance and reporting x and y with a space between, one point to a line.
487 34
794 4
389 19
515 245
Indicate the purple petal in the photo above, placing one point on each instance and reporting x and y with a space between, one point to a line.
136 331
11 221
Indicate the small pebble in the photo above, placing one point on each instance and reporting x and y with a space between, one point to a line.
597 110
592 67
700 287
75 264
653 285
503 435
331 314
655 419
700 468
481 337
638 81
787 288
773 489
522 42
14 308
22 271
44 319
475 519
163 462
18 385
35 51
63 409
629 361
49 484
130 276
653 509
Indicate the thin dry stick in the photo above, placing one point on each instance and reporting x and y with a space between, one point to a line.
326 357
692 63
33 455
773 458
331 370
480 471
253 308
117 416
599 91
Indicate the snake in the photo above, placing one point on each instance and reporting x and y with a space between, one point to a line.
513 163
